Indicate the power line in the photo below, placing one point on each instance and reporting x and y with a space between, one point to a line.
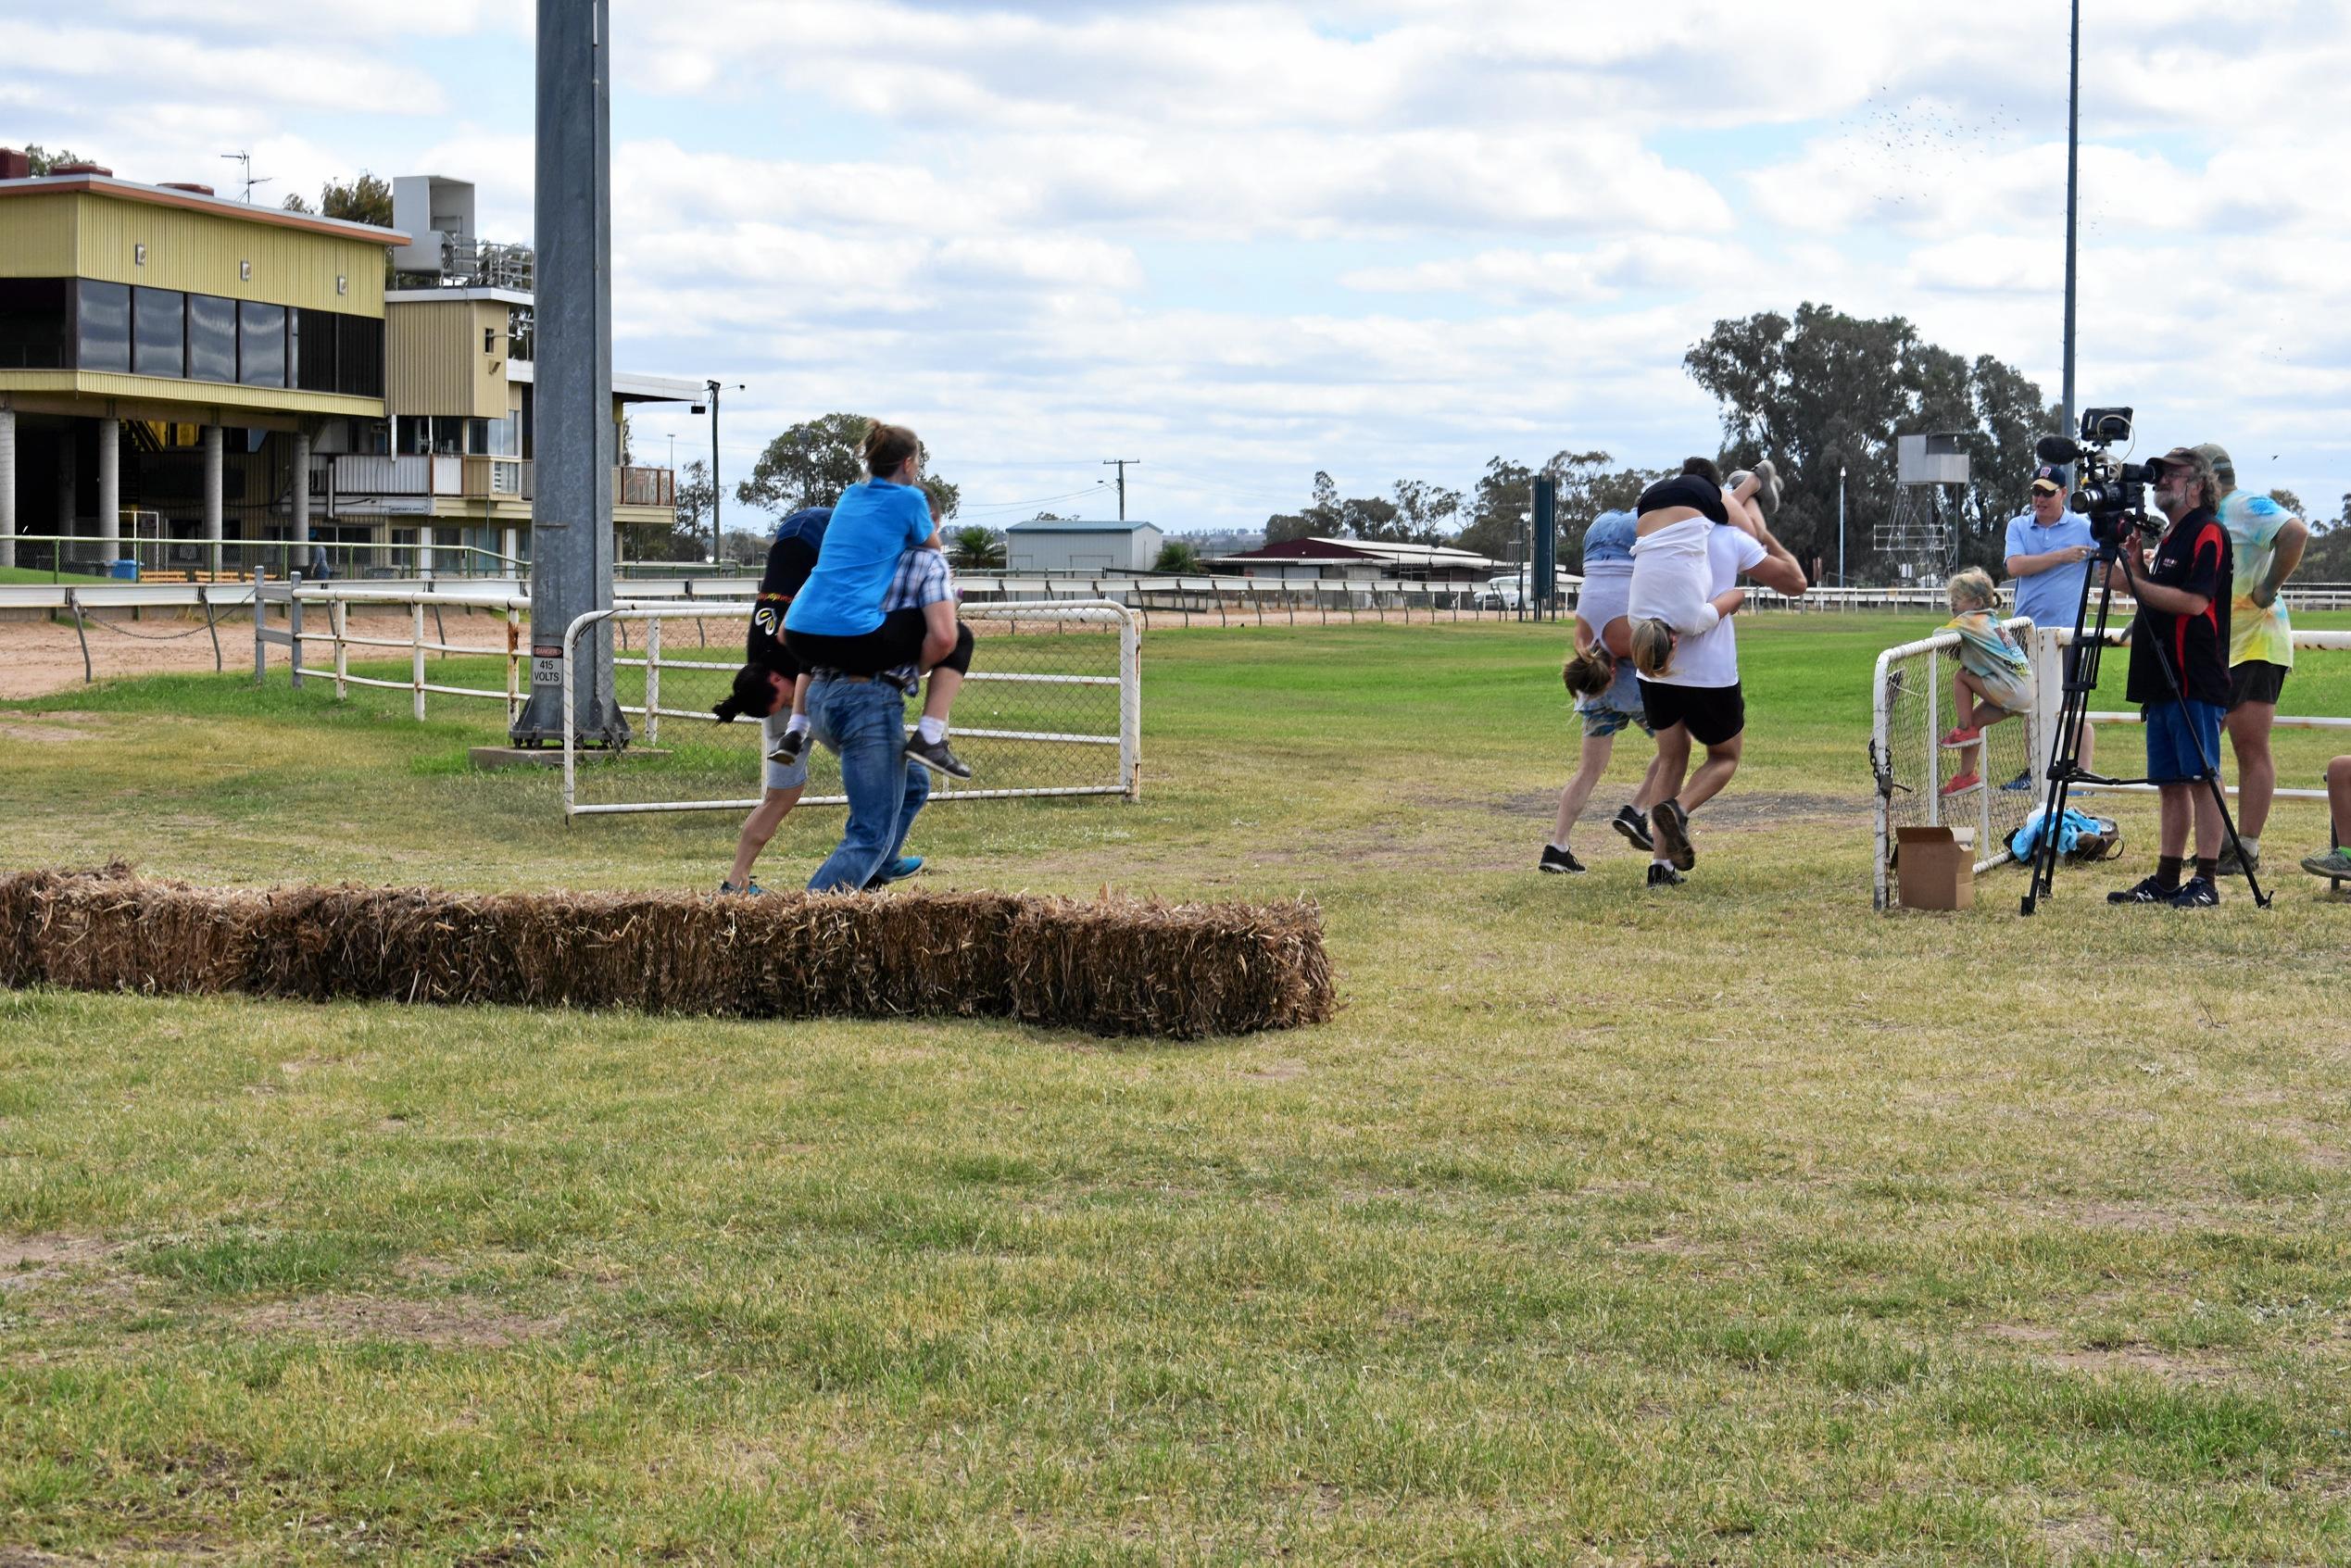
1038 501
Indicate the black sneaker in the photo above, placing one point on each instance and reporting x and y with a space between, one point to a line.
1664 876
2018 784
1561 860
2149 892
2196 893
1670 823
2231 864
934 755
788 750
1635 827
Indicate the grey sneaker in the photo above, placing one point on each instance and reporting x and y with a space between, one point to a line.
1768 496
1670 824
1635 827
788 750
934 755
2232 864
2334 862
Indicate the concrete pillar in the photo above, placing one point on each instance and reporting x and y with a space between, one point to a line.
110 489
424 556
8 487
212 442
511 548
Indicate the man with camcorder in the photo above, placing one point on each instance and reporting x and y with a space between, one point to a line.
2183 597
2049 551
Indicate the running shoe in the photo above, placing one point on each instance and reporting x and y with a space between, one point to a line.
1561 861
1670 824
2147 892
1962 783
896 870
1768 496
934 755
1664 876
2196 893
2018 784
1959 738
2334 862
788 750
749 889
1635 827
2232 864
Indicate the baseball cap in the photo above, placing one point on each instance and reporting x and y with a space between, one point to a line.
2051 475
2222 468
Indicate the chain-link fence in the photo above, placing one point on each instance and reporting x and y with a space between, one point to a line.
1915 704
1052 706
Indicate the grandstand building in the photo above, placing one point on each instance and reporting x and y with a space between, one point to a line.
184 378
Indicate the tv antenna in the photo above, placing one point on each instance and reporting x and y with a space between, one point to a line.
246 160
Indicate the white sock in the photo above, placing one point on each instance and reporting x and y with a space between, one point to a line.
796 724
1661 861
2252 845
933 731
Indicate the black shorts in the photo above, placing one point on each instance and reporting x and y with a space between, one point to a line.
1715 714
2257 680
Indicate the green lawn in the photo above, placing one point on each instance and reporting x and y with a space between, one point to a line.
1736 1224
31 574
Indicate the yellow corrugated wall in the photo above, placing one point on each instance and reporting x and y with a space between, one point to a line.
202 252
434 362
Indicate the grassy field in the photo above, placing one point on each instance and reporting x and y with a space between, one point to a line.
1734 1224
32 575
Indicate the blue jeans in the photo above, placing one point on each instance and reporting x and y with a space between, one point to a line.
864 723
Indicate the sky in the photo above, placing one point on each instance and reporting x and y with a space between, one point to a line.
1243 243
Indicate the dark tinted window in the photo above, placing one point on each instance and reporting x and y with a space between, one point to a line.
103 321
313 367
159 333
213 338
358 355
261 344
33 322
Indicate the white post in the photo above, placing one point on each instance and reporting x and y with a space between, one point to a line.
7 487
424 556
653 680
1131 705
513 663
302 485
110 490
416 653
338 622
2048 697
1934 737
511 552
212 440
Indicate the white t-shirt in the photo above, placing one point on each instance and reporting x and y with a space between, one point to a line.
1607 590
1712 657
1670 571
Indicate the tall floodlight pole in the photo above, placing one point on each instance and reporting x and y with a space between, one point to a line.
1841 525
2073 194
572 512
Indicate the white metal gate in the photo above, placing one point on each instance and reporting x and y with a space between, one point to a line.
1053 706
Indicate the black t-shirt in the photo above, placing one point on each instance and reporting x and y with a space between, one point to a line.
1684 490
789 560
2193 556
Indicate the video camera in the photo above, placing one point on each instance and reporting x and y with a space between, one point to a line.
2112 495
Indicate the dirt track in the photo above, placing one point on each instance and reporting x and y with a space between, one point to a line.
38 658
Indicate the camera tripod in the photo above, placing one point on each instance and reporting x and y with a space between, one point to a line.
2081 668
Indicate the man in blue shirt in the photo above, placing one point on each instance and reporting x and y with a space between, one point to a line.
2049 549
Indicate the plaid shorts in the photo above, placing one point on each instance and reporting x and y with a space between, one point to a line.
1613 709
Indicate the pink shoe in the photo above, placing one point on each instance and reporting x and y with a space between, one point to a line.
1962 737
1961 784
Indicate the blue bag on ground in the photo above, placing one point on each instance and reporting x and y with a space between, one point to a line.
2080 836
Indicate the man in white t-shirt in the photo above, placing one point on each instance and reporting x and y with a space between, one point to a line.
1698 696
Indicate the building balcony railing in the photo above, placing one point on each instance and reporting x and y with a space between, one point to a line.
472 479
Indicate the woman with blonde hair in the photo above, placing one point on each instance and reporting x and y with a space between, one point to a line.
1995 679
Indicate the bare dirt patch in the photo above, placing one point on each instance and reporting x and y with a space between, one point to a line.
2043 1343
35 1260
50 730
459 1322
40 657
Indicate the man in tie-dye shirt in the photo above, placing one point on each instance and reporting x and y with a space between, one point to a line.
2267 542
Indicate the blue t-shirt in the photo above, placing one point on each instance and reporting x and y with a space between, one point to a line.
2050 598
873 524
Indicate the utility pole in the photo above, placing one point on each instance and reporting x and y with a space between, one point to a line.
2073 189
246 159
1120 464
715 537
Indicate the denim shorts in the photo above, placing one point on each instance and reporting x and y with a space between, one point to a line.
2174 729
781 775
1614 710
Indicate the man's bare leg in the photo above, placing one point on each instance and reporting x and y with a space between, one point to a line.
2248 725
1713 773
1572 799
939 695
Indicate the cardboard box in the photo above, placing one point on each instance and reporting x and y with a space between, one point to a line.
1933 870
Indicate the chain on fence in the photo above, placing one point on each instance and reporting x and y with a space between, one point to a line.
1050 708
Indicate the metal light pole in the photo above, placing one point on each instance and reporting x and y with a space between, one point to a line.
2073 191
1841 525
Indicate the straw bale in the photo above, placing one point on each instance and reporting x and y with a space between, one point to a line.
1130 966
109 930
1120 966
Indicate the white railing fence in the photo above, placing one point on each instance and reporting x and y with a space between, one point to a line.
1053 706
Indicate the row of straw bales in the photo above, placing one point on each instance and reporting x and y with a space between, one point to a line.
1116 966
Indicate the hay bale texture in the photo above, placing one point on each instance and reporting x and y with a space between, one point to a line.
1118 966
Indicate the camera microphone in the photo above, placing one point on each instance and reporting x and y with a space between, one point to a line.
2056 449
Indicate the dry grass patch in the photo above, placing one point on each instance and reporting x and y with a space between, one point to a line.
451 1323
